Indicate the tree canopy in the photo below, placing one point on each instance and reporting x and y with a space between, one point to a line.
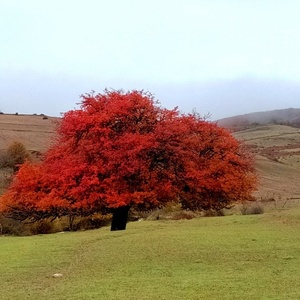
123 150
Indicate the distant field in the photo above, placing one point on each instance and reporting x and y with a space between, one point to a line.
277 160
34 131
233 257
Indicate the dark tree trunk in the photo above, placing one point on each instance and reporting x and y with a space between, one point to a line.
71 222
119 219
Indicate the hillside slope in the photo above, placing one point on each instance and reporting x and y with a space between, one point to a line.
35 132
277 150
289 116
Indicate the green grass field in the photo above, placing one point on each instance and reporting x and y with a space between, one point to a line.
232 257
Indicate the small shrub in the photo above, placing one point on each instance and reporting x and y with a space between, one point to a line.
257 209
16 154
91 222
252 210
171 212
214 213
42 227
134 216
164 212
183 215
6 177
13 227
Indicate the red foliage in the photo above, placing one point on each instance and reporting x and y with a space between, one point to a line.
122 149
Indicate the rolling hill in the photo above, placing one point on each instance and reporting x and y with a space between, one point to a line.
277 150
289 116
36 132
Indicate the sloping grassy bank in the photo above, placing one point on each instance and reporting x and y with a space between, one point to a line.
233 257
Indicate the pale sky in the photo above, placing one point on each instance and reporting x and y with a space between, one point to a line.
222 57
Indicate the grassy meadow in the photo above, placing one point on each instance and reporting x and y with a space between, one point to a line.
232 257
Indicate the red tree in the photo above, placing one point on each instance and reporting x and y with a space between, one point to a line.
121 150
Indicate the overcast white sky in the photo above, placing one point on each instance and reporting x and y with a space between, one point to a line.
223 57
